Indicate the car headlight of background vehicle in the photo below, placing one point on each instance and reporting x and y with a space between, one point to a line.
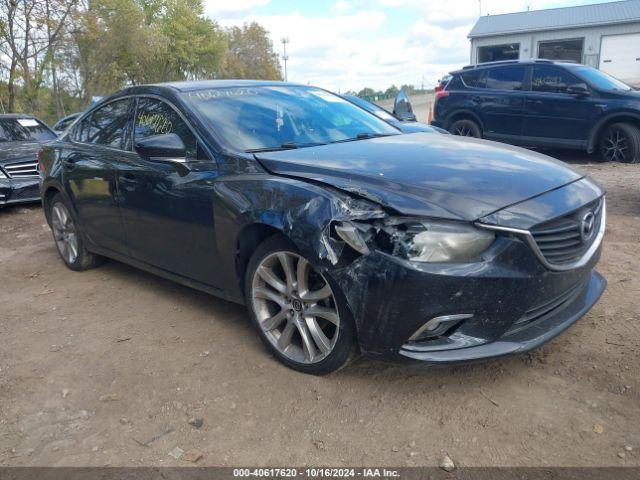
418 240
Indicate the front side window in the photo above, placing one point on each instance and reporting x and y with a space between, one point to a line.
155 117
506 78
108 125
280 117
553 80
24 130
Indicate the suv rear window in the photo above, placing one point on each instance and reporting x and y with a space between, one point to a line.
506 78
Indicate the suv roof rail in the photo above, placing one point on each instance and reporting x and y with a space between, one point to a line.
513 62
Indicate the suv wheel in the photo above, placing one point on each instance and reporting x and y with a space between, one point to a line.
620 142
465 128
299 313
68 237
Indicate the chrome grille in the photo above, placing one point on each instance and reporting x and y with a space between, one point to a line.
22 169
564 240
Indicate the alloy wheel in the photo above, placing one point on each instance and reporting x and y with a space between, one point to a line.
615 146
64 232
463 131
295 307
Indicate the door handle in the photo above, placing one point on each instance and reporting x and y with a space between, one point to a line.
69 162
129 181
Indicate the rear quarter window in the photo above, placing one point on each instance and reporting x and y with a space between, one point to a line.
474 79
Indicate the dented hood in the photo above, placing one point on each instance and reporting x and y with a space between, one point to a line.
427 174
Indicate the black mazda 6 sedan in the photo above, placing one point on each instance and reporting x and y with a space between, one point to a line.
338 233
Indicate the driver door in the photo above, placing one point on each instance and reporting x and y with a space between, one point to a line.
167 209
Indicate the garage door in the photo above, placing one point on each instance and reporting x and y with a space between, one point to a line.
620 57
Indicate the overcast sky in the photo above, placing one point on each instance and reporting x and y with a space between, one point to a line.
349 44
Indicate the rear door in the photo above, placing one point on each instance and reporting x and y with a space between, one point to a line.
90 160
501 102
553 116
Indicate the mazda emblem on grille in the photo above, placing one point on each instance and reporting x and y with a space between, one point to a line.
587 226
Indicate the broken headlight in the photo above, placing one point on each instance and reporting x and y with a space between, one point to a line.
417 240
438 242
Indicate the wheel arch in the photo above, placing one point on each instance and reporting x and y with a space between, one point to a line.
463 114
47 197
247 240
599 128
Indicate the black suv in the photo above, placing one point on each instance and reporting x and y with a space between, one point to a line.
542 103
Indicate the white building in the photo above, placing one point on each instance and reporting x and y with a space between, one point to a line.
605 36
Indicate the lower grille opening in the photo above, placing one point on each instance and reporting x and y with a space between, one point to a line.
545 310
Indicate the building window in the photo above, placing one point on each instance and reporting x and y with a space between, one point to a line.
493 53
561 50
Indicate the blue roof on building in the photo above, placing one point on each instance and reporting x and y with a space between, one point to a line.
558 18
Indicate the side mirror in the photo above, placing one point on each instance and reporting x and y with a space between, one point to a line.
578 90
402 108
168 147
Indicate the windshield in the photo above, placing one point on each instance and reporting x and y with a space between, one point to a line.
24 129
280 117
601 80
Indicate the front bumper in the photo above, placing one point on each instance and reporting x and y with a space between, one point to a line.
391 299
19 190
520 341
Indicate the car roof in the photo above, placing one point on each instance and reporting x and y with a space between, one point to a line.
482 66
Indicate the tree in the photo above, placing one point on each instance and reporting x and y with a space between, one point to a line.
250 54
392 91
366 92
114 46
29 31
194 46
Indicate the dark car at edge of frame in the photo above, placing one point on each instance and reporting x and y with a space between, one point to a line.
543 103
21 137
339 233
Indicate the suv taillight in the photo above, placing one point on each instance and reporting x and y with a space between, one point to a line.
441 94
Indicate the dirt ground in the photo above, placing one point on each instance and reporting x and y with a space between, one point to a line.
106 367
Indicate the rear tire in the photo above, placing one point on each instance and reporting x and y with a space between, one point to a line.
300 313
465 128
68 237
620 142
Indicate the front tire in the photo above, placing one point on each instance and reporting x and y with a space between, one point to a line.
465 128
299 312
620 142
68 238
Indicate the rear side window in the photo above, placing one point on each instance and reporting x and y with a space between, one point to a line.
510 78
155 117
108 125
475 79
554 80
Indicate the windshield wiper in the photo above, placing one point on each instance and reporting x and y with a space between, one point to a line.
285 146
365 136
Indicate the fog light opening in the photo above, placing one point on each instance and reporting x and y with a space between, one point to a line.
436 327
